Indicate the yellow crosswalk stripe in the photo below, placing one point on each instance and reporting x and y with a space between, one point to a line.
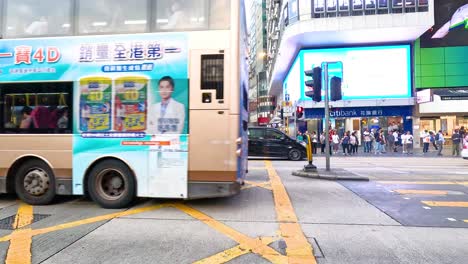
445 204
426 192
425 182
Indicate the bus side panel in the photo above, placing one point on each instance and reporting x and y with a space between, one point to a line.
56 150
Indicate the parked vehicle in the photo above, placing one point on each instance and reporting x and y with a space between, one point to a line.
272 143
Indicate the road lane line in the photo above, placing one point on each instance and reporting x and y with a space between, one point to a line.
445 204
425 192
19 250
298 248
451 219
244 241
234 252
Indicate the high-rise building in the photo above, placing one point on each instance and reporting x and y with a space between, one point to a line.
261 103
373 41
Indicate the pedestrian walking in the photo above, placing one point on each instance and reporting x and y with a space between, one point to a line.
396 141
391 141
367 141
456 139
322 143
383 142
440 140
409 142
352 143
426 142
345 143
336 142
314 142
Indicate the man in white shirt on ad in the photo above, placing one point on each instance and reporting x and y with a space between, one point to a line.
167 116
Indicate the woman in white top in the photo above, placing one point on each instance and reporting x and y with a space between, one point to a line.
336 142
314 142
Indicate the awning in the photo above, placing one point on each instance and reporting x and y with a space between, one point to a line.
452 93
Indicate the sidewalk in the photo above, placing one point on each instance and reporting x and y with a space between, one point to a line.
417 152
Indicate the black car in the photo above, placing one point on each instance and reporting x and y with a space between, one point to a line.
270 142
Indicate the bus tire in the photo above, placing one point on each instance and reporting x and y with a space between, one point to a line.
35 182
295 155
111 184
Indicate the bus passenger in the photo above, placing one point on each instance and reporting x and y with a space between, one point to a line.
27 119
167 116
63 120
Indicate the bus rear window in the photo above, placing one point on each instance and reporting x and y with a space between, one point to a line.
212 74
36 108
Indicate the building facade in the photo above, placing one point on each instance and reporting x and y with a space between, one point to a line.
373 41
261 104
441 75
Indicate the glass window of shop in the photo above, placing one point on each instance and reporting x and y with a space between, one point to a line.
448 124
112 16
28 18
180 15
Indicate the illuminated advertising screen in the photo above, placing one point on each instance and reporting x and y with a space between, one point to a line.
368 72
292 83
451 25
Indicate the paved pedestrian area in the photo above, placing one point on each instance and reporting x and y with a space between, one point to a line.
277 218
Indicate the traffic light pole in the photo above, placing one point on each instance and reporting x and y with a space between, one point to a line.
327 118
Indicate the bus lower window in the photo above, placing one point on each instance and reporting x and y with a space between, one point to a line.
36 108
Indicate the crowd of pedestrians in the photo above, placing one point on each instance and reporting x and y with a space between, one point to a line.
377 142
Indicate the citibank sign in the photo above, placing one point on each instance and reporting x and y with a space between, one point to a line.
343 113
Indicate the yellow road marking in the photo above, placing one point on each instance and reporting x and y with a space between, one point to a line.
264 185
428 192
466 221
445 204
244 241
97 219
88 221
425 182
19 250
233 252
24 216
298 248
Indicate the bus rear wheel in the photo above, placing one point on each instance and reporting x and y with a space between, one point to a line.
111 184
35 183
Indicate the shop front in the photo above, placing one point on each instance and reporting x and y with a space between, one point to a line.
361 118
445 111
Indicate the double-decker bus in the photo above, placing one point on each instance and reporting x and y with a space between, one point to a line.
117 116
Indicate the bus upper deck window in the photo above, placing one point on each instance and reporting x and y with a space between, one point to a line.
212 74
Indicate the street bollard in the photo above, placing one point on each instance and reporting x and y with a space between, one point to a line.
309 167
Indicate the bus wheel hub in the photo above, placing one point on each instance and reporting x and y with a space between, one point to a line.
36 182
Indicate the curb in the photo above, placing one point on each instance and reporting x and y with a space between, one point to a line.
316 175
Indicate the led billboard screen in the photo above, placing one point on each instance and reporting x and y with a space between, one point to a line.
451 25
368 72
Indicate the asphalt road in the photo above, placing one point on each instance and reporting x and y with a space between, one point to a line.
413 210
